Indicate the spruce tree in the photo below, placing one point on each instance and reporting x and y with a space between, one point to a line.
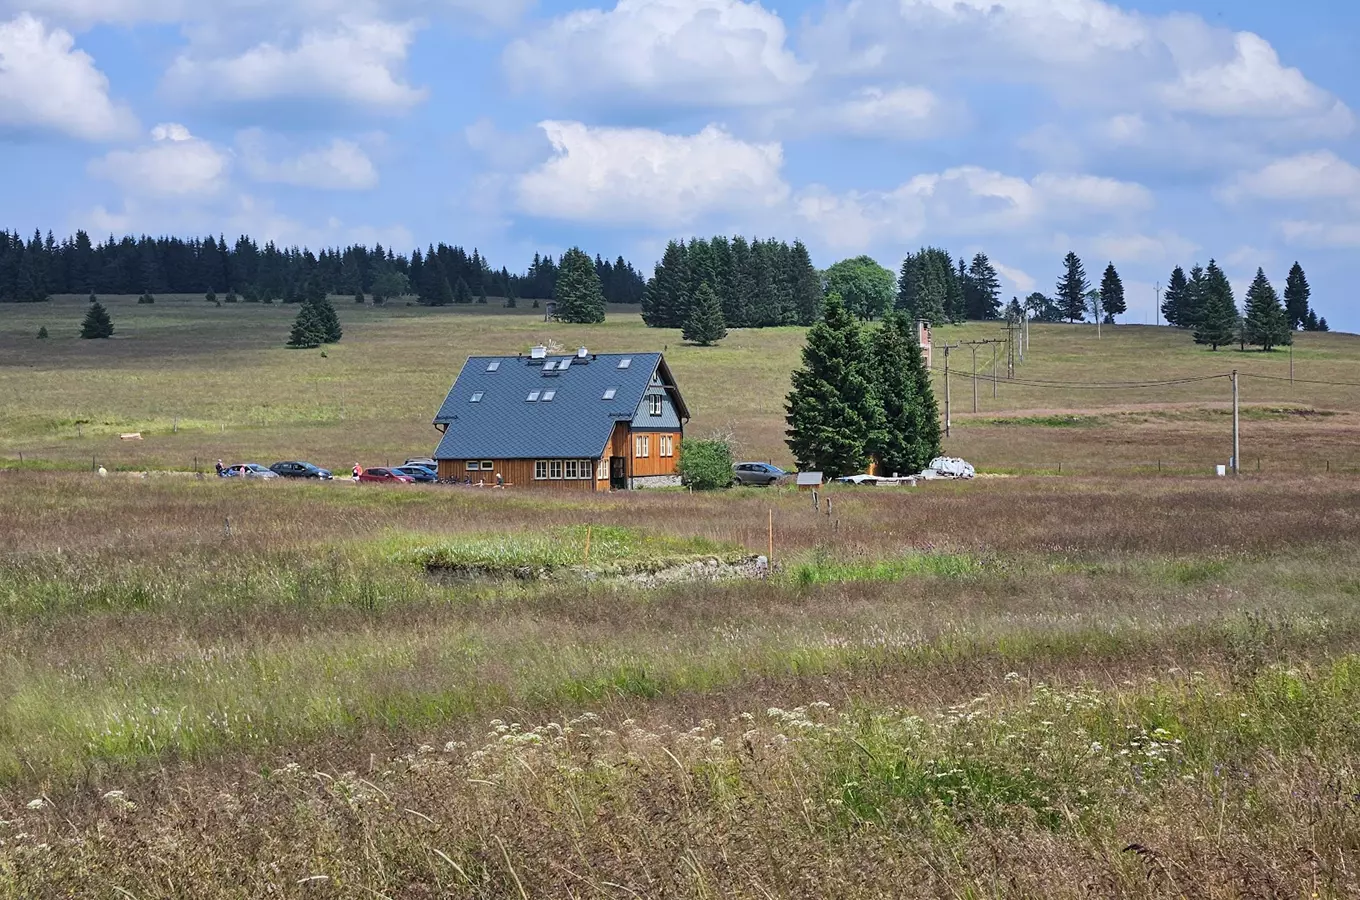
1173 300
481 295
211 296
1267 323
1072 288
833 412
807 285
308 330
359 298
97 324
1218 321
42 333
983 289
327 319
146 299
910 436
705 325
1296 295
461 292
665 300
1322 325
1195 297
1112 295
578 293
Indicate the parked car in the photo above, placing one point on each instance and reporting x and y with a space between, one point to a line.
385 476
757 473
300 470
422 461
422 474
248 470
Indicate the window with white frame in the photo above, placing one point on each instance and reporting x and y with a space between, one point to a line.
602 472
487 465
665 445
548 396
473 465
541 470
477 397
555 469
573 470
610 393
533 396
654 404
642 446
493 366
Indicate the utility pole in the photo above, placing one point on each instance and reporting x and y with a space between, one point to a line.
1237 441
1291 359
947 422
974 345
994 372
1157 303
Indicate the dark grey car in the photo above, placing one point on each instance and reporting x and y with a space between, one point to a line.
757 473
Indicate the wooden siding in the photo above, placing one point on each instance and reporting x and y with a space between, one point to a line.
519 473
653 463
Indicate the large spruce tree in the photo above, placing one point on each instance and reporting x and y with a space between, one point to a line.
910 436
705 325
1195 297
833 412
578 294
308 329
807 285
1072 288
1218 323
982 294
665 302
1173 300
1112 295
1267 323
97 324
1296 296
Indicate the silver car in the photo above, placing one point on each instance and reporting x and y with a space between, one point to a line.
248 470
758 473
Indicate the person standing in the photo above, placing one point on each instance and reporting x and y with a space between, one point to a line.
358 470
219 468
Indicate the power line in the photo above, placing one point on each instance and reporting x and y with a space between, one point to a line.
1102 385
1302 380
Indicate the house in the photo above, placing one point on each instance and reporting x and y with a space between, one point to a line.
586 422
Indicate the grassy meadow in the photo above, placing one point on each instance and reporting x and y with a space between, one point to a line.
1112 683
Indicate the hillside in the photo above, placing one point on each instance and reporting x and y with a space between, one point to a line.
203 382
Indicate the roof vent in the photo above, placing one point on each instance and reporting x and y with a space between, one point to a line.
582 353
539 352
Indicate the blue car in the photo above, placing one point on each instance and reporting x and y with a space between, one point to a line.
421 474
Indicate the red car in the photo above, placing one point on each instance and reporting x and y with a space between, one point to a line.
386 476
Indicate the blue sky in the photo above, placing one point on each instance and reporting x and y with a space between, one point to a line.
1149 134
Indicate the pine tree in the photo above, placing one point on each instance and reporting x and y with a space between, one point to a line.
1267 323
1218 322
982 289
1072 288
1195 297
42 333
1296 296
910 436
1322 324
211 296
359 298
578 294
97 324
461 292
833 412
807 285
327 319
1310 322
308 330
665 300
481 295
146 299
1173 300
1112 295
705 325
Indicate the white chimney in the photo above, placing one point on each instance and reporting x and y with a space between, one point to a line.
539 352
582 353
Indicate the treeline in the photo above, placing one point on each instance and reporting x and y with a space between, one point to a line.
1203 302
34 269
757 283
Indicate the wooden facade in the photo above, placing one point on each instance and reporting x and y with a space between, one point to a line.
629 454
518 473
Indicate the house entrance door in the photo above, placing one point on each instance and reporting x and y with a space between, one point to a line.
618 473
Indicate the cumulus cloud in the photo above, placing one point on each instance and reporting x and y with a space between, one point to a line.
263 13
47 85
174 165
356 61
1331 235
1162 247
1251 83
639 176
673 52
341 165
1320 175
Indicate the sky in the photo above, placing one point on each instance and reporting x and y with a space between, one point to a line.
1149 134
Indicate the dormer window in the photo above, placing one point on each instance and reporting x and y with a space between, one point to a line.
654 404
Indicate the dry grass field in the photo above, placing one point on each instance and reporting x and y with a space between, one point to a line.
1112 684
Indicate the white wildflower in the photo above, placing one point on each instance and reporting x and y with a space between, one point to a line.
37 804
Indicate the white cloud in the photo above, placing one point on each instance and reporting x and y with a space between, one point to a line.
262 15
639 176
1162 247
1083 192
675 52
356 62
1021 282
1340 235
1251 84
899 112
1321 175
46 84
174 165
341 165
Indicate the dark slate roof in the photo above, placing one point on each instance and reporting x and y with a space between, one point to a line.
575 424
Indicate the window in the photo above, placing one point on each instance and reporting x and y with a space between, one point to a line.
573 469
472 465
602 473
550 365
555 469
665 445
642 446
487 465
625 362
609 394
541 470
477 397
533 395
654 404
548 395
493 365
564 364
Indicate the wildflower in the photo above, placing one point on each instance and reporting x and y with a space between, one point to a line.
36 804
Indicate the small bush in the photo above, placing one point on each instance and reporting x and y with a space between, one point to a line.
706 465
42 333
211 297
146 299
231 297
